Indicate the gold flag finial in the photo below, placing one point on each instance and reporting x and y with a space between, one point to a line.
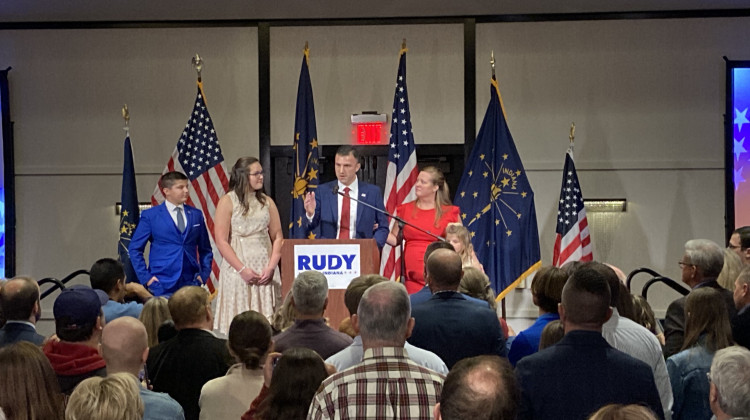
492 63
403 47
572 135
126 117
198 65
307 52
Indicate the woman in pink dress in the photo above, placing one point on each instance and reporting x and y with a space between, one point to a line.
431 211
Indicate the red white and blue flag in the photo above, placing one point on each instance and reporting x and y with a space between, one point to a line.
198 155
572 242
402 170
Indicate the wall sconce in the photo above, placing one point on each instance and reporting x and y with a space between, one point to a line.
609 205
145 205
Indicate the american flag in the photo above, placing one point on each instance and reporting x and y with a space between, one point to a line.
402 168
198 155
572 242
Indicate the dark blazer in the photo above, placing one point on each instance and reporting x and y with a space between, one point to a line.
13 332
674 320
325 222
182 365
580 374
741 328
175 258
454 328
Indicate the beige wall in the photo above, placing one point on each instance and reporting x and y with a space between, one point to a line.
647 98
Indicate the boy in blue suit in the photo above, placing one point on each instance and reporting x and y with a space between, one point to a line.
327 210
180 252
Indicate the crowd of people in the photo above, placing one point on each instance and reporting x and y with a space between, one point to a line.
429 347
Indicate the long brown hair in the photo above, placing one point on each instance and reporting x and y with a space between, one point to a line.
442 195
155 311
240 184
706 313
29 386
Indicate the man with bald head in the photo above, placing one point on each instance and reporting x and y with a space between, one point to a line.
448 324
125 349
19 299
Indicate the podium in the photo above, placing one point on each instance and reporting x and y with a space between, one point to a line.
369 263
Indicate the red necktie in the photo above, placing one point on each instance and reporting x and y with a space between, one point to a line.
344 225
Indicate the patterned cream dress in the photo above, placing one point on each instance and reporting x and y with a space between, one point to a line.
250 241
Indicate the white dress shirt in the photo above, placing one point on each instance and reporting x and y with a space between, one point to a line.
353 192
173 213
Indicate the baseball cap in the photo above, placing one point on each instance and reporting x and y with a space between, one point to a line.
79 305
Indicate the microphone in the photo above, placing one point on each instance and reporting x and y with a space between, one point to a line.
335 189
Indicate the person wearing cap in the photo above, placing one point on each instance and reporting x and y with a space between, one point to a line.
78 325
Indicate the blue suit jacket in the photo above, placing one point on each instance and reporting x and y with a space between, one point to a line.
325 222
454 328
579 375
175 258
14 332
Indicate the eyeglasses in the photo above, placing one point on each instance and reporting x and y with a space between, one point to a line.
730 246
684 264
256 173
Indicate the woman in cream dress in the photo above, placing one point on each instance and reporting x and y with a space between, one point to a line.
248 235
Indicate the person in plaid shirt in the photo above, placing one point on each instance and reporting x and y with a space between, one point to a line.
387 384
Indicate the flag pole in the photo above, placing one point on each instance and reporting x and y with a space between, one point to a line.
492 63
572 135
198 65
126 117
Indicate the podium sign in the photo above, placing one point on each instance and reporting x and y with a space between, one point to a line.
338 262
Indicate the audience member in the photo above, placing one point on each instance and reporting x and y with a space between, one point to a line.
19 298
228 397
29 388
546 292
632 338
78 324
352 355
155 312
167 331
310 298
644 315
623 412
448 324
730 383
476 285
741 321
731 269
125 349
479 388
284 316
424 294
582 372
182 365
113 397
108 275
706 331
551 334
701 264
386 384
290 385
739 242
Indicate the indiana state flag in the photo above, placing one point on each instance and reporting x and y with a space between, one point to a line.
497 203
305 152
129 213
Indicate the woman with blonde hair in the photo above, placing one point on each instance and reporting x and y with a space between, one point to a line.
623 412
155 312
431 211
115 397
706 331
29 387
458 236
730 271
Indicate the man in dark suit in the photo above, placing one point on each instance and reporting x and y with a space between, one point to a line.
582 373
182 365
19 298
739 242
334 216
741 321
700 265
448 324
180 252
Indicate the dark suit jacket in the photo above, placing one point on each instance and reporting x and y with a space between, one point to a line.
325 222
580 374
454 328
674 320
174 256
13 332
182 365
741 328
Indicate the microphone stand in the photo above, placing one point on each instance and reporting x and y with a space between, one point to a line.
401 223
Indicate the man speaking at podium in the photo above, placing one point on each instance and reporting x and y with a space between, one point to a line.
332 214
